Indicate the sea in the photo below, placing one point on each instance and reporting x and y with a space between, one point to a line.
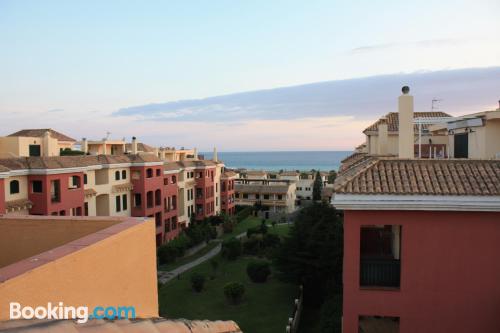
282 160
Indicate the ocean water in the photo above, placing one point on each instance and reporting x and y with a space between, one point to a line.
283 160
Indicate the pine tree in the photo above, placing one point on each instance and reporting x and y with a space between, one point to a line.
317 187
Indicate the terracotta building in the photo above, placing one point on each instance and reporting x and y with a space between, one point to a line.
420 240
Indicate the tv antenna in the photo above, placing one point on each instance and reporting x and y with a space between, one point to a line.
434 106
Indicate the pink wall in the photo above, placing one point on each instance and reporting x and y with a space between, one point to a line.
171 190
2 196
226 195
206 183
70 198
450 276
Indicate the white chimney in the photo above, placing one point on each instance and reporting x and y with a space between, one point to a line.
406 135
215 158
382 136
195 154
85 145
134 145
46 143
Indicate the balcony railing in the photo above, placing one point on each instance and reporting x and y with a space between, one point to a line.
380 273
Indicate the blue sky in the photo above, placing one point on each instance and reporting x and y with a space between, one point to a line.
73 65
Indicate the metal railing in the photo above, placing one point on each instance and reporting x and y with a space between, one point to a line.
380 273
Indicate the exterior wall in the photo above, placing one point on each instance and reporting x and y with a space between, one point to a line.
217 190
172 227
86 277
448 280
2 196
305 188
70 198
227 196
19 146
204 203
144 185
23 188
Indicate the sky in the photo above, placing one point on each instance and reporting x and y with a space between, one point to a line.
240 75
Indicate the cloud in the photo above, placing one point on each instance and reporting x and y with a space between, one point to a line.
461 91
422 43
55 110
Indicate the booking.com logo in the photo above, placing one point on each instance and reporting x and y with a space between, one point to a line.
61 311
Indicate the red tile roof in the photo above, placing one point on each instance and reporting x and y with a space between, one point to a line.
378 175
393 120
40 132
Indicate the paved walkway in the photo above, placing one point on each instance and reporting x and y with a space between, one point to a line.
164 277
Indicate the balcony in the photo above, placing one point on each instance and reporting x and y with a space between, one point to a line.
380 273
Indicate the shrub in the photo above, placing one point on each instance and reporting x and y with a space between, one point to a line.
234 292
167 253
251 246
197 282
243 213
231 248
258 271
271 240
181 243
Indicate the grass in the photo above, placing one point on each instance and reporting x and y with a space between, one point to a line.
182 261
265 308
280 229
242 227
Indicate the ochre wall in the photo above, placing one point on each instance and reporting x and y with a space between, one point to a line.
2 196
117 271
23 238
449 272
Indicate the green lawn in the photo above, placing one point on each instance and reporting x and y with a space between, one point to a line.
280 229
265 307
241 227
181 261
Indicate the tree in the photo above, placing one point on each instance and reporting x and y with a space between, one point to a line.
234 292
332 175
258 271
317 187
312 254
197 282
231 248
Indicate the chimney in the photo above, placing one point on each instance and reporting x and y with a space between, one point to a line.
46 143
382 136
406 135
134 145
498 106
195 154
215 159
85 145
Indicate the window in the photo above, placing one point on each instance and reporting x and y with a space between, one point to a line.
14 187
37 186
150 199
85 180
380 256
280 197
74 182
199 193
371 324
149 173
55 191
167 225
117 175
158 172
174 202
124 174
245 195
165 181
34 150
257 196
124 202
86 208
158 197
174 222
266 196
137 200
118 203
136 175
174 179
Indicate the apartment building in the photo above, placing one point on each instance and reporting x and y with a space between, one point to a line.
277 195
59 260
140 185
304 182
420 237
34 142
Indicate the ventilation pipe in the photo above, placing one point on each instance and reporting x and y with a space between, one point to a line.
134 145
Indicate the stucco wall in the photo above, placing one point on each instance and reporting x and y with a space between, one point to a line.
23 188
117 271
449 272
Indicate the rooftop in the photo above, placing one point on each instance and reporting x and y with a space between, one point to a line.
386 175
40 132
392 119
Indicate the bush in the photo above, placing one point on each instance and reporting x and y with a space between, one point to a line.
228 226
258 271
271 240
231 248
234 292
197 282
181 243
69 152
200 232
331 314
167 253
243 213
251 246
